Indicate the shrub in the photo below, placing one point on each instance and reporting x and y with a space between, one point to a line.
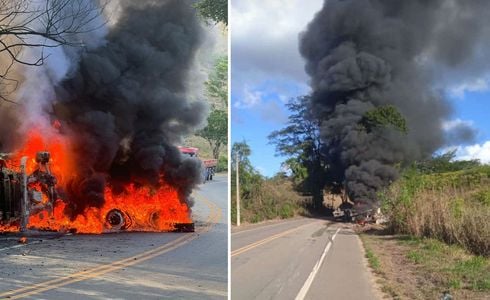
222 164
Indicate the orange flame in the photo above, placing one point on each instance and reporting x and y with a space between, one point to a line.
144 208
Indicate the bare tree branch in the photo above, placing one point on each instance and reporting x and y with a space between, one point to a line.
39 24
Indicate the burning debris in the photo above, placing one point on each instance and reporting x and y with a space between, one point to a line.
374 56
99 155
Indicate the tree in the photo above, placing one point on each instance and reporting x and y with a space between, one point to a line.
250 179
242 151
216 132
217 84
445 163
39 24
215 10
300 141
382 117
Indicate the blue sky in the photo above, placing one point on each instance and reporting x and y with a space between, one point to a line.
267 71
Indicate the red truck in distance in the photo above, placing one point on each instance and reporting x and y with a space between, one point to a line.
209 165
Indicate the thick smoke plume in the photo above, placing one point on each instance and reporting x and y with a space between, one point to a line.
365 54
125 101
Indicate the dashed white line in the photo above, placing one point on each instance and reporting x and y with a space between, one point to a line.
306 286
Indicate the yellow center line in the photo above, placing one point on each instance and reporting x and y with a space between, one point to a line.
265 241
213 217
215 211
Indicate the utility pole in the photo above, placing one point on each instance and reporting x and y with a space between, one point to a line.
237 190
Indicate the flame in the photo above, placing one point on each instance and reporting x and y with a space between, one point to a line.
144 208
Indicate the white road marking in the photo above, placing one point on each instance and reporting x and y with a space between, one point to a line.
306 286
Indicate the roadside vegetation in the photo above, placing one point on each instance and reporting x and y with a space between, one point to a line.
437 238
262 198
424 268
445 200
213 139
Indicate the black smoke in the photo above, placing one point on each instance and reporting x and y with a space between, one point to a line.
127 104
363 54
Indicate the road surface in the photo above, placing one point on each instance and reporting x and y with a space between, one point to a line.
125 265
299 259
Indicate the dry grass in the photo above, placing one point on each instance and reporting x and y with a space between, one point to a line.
452 207
421 268
273 199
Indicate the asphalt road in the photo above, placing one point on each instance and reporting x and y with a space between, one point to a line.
299 259
125 265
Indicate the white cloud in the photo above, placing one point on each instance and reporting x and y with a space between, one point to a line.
456 123
478 85
265 35
265 44
249 98
476 151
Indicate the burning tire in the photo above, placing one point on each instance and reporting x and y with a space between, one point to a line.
154 219
117 220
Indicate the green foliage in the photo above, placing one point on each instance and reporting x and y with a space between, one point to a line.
445 163
457 207
216 132
373 260
215 10
222 164
483 197
217 84
456 268
382 117
250 179
450 206
300 141
471 269
261 198
286 211
415 256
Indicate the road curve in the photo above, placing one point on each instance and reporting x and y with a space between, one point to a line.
299 259
125 265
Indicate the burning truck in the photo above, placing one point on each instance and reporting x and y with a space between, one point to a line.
92 138
32 196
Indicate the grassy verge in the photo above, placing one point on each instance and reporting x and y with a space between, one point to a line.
409 267
453 207
373 261
452 266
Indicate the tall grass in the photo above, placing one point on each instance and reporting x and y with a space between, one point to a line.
453 207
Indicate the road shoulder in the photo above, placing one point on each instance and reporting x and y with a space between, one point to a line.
345 274
411 268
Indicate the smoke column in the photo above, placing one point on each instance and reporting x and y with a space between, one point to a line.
127 103
365 54
124 100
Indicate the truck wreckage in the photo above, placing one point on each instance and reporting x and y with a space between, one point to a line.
24 194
